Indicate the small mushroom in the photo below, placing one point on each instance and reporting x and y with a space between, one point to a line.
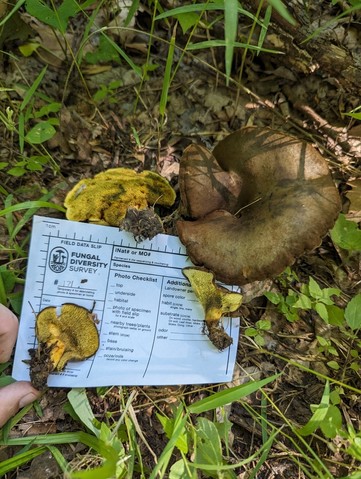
105 198
216 302
257 203
65 333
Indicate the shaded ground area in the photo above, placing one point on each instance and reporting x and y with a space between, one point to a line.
109 118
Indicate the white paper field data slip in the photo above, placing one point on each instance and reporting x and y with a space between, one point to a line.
150 321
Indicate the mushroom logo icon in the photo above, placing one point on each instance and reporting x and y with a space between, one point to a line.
58 259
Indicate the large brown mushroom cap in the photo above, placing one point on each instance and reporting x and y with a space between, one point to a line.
261 200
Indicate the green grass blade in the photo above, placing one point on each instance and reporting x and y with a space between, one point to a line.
179 424
263 450
282 10
30 93
202 7
122 53
36 204
222 43
133 8
27 215
20 459
11 13
264 29
60 459
167 74
230 33
227 396
21 131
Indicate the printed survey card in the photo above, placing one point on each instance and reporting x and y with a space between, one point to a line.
149 320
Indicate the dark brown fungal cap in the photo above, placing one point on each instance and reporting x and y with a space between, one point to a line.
256 204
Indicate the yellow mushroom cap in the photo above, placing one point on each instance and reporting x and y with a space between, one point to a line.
105 198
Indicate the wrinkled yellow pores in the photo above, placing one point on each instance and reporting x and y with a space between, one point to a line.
216 301
69 332
105 198
64 333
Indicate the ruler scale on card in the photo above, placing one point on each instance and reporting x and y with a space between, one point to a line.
150 322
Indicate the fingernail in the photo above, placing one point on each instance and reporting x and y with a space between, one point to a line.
27 399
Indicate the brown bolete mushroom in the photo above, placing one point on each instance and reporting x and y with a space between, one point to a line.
255 204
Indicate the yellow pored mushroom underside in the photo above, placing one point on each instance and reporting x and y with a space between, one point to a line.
64 333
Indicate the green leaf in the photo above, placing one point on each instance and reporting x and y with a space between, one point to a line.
163 460
332 423
353 312
321 309
319 414
323 341
179 470
259 340
17 171
336 315
27 49
227 396
57 18
168 426
208 449
40 133
53 107
333 365
8 278
222 43
80 403
105 53
355 451
314 289
251 332
187 20
275 298
264 324
303 302
346 234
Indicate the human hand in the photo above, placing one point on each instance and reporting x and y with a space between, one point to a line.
21 393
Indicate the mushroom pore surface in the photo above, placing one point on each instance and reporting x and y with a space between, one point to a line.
252 207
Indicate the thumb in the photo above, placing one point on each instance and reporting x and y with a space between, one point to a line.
15 396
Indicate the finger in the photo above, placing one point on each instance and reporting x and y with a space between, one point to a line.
15 396
8 332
